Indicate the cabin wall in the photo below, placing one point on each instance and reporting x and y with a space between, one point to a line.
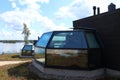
108 25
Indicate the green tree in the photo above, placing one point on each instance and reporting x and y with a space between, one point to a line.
26 33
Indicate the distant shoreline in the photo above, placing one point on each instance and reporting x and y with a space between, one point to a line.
15 41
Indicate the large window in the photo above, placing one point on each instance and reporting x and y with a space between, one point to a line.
68 39
42 42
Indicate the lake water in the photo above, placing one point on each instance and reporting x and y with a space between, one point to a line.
11 47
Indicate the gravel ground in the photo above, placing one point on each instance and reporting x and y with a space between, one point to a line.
2 63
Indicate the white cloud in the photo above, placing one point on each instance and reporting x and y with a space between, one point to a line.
83 8
9 35
103 4
14 20
29 11
76 9
64 12
32 2
14 5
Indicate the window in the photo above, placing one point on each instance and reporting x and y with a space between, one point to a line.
39 52
67 58
76 40
58 41
70 39
42 42
91 39
27 47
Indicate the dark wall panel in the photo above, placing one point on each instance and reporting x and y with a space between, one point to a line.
108 25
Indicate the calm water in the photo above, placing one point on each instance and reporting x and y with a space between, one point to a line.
11 47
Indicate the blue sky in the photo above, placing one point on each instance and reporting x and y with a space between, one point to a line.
44 15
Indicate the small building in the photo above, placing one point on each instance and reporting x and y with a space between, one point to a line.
74 54
108 25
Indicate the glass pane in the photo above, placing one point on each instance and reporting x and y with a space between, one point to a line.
70 39
58 41
92 41
39 53
27 47
42 42
67 58
76 40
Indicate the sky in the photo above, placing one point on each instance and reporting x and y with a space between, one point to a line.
42 16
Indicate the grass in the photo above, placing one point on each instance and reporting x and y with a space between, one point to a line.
18 72
22 72
14 57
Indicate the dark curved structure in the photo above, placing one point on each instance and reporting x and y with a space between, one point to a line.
77 49
75 54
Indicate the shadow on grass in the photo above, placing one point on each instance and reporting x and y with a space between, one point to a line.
22 70
15 56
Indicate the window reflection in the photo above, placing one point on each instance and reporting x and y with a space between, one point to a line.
39 53
67 58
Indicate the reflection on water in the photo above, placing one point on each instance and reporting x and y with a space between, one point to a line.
11 47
